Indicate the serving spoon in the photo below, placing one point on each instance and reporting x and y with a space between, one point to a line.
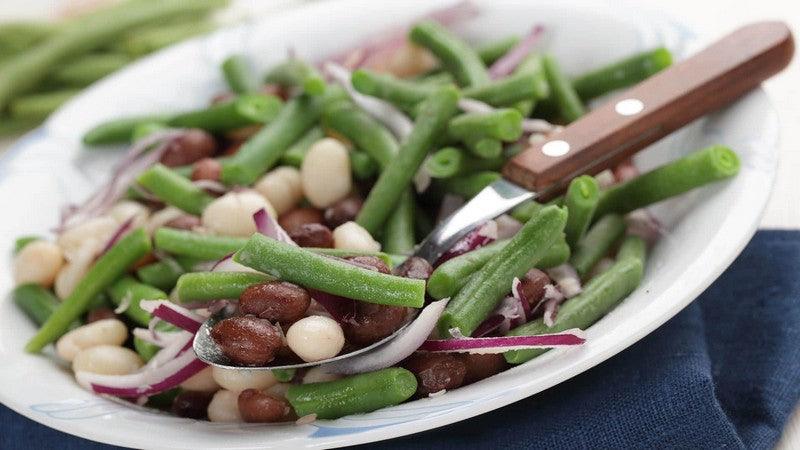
606 136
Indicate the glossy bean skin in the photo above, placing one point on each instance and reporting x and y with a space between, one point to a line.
414 267
277 301
532 286
372 323
343 211
247 340
312 235
190 146
300 216
456 55
191 404
257 406
436 371
206 169
480 366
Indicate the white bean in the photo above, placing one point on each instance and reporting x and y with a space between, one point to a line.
352 236
126 209
315 338
107 360
232 214
38 262
282 187
97 230
325 173
224 407
317 375
72 273
237 380
201 381
102 332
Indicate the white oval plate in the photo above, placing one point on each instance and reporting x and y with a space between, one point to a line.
48 168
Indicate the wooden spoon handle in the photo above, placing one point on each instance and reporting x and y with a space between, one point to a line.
655 107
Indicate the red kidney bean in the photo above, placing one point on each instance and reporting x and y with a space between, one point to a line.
232 149
192 404
248 340
277 301
482 366
193 145
206 169
257 406
414 267
240 135
312 235
436 371
299 216
100 314
343 211
532 285
185 222
369 263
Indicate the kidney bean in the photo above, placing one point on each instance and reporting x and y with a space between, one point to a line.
206 169
369 263
193 145
372 323
248 340
532 285
312 235
240 135
192 404
232 148
259 407
100 314
299 216
185 222
414 267
436 371
277 301
481 366
345 210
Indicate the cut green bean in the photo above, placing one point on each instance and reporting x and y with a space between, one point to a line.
162 275
242 111
486 148
467 186
569 103
314 271
296 73
362 165
203 286
632 247
677 177
143 130
295 154
108 267
502 124
362 130
23 241
484 290
90 68
174 189
600 295
118 131
128 290
581 200
403 93
623 73
454 54
239 75
201 246
434 114
450 161
494 50
39 106
37 302
398 236
506 91
356 394
597 242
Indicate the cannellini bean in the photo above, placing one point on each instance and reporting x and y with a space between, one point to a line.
317 375
352 236
232 214
315 338
126 209
72 272
325 173
224 407
237 380
282 187
107 360
201 381
38 262
102 332
162 217
97 230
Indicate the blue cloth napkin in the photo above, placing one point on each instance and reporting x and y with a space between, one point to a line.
724 373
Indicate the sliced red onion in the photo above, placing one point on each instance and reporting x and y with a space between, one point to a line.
644 224
450 204
518 294
479 237
180 343
550 312
396 350
507 226
625 171
168 260
121 231
503 344
174 314
508 314
268 226
211 186
567 280
605 179
341 309
155 337
505 65
422 180
552 297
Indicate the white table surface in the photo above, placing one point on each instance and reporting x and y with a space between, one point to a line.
712 17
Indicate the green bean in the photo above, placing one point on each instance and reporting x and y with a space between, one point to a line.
314 271
581 200
525 211
696 169
450 161
429 125
356 394
12 126
90 68
403 93
127 289
398 236
284 375
296 73
454 54
597 242
201 246
343 253
118 131
501 124
532 64
37 302
494 50
506 91
247 109
202 286
600 295
147 350
39 106
146 129
174 189
469 185
362 130
147 41
486 148
100 300
569 104
436 79
239 75
484 290
16 37
297 152
266 147
23 73
632 247
362 165
108 267
623 73
161 275
23 241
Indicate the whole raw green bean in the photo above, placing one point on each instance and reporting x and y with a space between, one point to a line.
505 91
37 302
202 286
39 106
296 73
314 271
450 161
108 267
434 114
623 73
597 242
239 75
454 54
201 246
502 124
600 295
90 68
403 93
484 290
362 165
266 147
362 130
127 289
693 170
21 242
469 185
297 152
494 50
175 190
569 103
581 200
398 236
632 247
356 394
118 131
247 109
